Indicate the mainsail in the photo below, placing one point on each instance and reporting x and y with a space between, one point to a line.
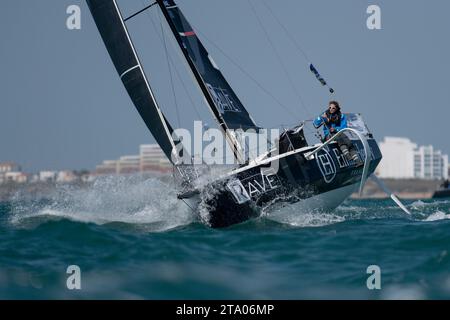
110 23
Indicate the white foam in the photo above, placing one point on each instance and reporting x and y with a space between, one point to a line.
418 205
307 219
301 216
131 200
439 215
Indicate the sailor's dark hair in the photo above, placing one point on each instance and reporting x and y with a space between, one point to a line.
336 104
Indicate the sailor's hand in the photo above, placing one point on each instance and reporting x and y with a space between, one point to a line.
332 130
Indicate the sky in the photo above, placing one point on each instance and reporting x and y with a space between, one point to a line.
62 105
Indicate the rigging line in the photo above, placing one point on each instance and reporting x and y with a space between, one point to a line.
170 72
176 48
299 48
290 36
237 65
176 70
140 11
279 58
188 205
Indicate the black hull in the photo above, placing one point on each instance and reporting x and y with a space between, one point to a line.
243 195
441 194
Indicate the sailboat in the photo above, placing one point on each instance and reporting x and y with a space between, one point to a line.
291 176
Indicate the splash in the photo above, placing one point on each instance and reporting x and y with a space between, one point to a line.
115 199
151 204
429 211
439 215
307 219
299 214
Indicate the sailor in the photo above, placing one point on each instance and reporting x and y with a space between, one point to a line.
334 121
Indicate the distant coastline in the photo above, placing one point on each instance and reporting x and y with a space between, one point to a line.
35 190
404 188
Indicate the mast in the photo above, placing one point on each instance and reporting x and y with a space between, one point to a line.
115 35
226 107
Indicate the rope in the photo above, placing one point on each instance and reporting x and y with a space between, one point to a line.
299 48
188 205
240 68
191 100
291 82
170 72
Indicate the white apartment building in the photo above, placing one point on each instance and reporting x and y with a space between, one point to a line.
47 176
152 158
398 158
65 176
107 167
14 176
403 159
8 167
430 163
128 164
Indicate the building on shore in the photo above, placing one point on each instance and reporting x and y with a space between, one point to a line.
11 172
403 159
108 167
430 163
14 176
48 176
128 165
151 159
9 167
398 158
66 176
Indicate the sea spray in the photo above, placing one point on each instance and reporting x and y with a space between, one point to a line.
125 199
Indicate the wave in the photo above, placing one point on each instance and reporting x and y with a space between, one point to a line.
439 215
152 205
123 199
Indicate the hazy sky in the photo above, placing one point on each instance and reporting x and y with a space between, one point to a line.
62 104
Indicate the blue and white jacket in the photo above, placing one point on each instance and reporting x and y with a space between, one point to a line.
319 121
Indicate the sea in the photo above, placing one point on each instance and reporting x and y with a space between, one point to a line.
130 238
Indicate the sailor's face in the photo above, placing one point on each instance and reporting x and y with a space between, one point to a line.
332 108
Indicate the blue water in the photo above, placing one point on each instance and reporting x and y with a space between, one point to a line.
133 240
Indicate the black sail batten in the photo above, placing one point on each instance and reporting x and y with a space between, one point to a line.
109 21
222 100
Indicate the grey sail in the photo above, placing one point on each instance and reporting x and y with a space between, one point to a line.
114 33
226 106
